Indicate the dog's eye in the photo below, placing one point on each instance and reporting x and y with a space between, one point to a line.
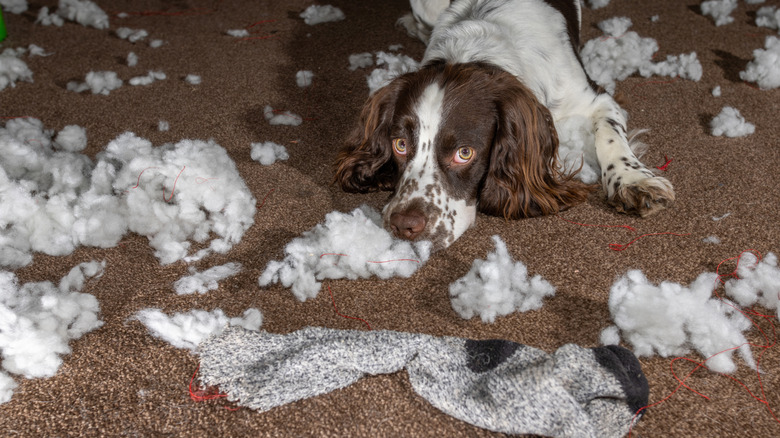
399 146
463 155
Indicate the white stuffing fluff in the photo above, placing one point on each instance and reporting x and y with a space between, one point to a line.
394 66
670 319
188 330
84 12
193 79
303 78
349 246
163 126
719 10
99 82
13 69
132 35
36 50
7 386
147 79
156 43
281 117
132 59
716 92
621 53
757 283
754 2
202 282
55 200
72 138
711 239
764 68
596 4
14 6
316 14
574 133
729 122
47 19
768 16
268 153
498 286
37 320
238 33
360 60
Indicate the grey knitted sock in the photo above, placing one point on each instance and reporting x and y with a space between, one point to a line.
497 385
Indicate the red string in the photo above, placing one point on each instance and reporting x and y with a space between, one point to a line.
266 197
139 176
621 247
668 161
346 316
174 185
203 394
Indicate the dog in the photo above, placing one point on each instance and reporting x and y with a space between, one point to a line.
474 128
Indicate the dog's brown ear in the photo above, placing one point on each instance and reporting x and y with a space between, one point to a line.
523 178
366 162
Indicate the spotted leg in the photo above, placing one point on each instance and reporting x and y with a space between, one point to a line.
630 186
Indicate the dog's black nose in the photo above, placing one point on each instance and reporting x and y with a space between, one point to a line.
408 224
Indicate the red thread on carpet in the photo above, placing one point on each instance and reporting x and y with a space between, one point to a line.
203 394
621 247
682 382
666 165
346 316
174 185
266 197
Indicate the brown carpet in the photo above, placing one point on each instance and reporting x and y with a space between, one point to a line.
119 380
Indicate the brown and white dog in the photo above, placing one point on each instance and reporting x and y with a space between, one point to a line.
474 128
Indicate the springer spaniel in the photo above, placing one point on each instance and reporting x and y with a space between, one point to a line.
474 127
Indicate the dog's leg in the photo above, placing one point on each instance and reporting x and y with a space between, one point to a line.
629 185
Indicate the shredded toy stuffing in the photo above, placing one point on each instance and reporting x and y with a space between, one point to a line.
281 117
394 65
729 122
193 79
132 35
147 79
238 33
719 10
99 82
48 19
188 330
37 320
72 138
202 282
768 16
596 4
349 246
7 386
360 60
163 126
268 153
716 92
156 43
764 68
758 283
14 6
621 53
56 199
669 319
13 69
84 12
711 239
132 59
316 14
303 78
498 286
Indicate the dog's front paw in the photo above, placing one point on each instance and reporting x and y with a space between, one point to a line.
644 197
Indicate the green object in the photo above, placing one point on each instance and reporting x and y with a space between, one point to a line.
2 26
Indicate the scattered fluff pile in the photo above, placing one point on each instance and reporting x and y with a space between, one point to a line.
13 69
768 16
37 320
316 14
670 319
55 199
147 79
202 282
132 35
392 66
281 117
14 6
757 283
729 122
498 286
303 78
621 53
719 10
268 153
83 12
764 69
99 82
188 330
350 246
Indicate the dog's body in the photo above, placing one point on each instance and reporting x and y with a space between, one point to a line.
473 129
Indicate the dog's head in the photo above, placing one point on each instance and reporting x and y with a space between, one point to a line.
453 139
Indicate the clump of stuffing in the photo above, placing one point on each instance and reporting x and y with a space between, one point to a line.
670 319
99 82
768 16
719 10
281 117
268 152
360 60
350 246
394 66
188 330
621 53
716 92
316 14
37 320
303 78
163 126
14 6
148 78
202 282
574 134
13 69
156 43
132 35
56 199
193 79
72 138
238 33
764 69
711 239
48 19
757 283
7 386
132 59
729 122
84 12
596 4
498 286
